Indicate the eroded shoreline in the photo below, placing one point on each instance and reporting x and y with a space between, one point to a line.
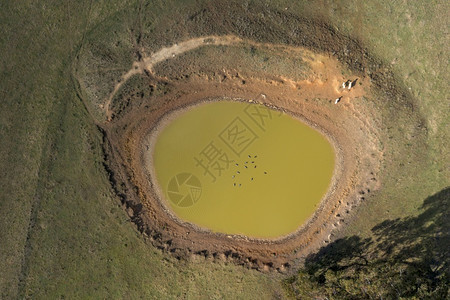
348 133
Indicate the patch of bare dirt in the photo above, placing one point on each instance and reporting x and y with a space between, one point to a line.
350 130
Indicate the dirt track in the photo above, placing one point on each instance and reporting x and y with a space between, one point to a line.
350 126
147 63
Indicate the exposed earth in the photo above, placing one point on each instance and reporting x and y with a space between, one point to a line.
352 126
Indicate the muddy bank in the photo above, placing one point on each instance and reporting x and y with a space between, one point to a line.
353 126
349 134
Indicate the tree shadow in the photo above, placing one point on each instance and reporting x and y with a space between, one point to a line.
406 257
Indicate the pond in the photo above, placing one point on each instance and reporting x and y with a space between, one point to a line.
241 168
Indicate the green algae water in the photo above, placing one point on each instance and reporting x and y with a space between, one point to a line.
241 168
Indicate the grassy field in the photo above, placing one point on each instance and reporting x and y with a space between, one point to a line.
64 233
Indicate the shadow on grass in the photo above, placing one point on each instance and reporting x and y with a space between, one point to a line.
406 257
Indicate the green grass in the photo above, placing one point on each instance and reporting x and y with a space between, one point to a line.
244 58
63 233
411 39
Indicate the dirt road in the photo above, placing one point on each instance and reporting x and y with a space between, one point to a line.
147 62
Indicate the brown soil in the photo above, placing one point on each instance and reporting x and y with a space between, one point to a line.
350 125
